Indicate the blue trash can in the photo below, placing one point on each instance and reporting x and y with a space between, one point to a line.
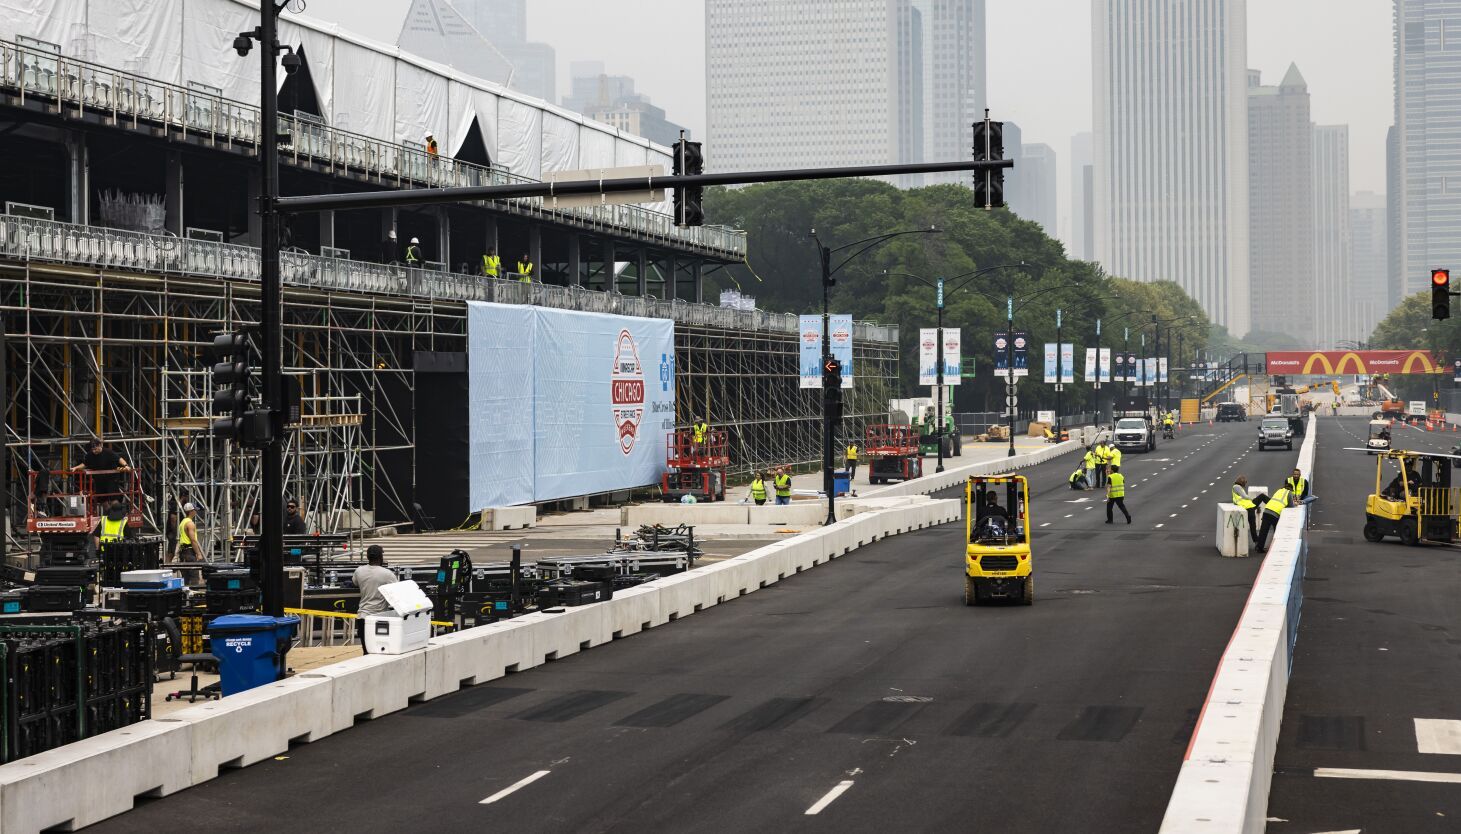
841 482
250 649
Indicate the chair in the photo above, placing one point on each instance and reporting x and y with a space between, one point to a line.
193 692
423 521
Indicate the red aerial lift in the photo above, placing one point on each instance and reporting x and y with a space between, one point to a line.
892 453
696 469
68 503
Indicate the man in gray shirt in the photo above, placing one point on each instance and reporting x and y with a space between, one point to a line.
368 578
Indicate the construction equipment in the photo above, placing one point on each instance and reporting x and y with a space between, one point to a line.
66 502
892 453
997 556
1379 438
1419 503
930 436
695 467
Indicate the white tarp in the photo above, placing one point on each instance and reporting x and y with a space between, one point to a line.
460 115
500 394
630 153
520 137
486 106
365 96
139 36
209 27
60 23
560 143
319 53
421 105
595 148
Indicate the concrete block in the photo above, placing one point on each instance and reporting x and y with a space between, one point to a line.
373 685
95 778
1210 798
560 632
509 518
799 514
514 640
632 610
672 514
462 658
252 726
685 593
1232 537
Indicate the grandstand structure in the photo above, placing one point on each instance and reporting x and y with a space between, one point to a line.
127 240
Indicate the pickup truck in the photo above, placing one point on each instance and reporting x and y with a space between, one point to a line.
1275 431
1135 434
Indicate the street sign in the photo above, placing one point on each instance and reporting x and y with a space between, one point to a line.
627 172
940 293
1011 401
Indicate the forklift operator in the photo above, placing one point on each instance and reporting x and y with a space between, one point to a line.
1396 490
992 507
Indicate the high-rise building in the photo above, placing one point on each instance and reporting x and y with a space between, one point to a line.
611 99
1033 196
1171 147
1080 239
1281 207
1369 260
954 58
1338 318
1426 185
804 83
454 31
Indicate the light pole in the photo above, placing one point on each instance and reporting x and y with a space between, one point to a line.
825 255
1165 389
939 293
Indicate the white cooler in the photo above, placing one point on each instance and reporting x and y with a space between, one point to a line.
406 627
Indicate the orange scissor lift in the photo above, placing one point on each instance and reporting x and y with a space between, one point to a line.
696 469
892 453
71 505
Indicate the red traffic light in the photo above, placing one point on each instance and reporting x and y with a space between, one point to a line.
1440 277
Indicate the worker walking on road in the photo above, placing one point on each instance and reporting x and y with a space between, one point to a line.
188 534
1282 499
368 578
758 489
1249 503
782 483
491 263
1116 494
851 461
525 269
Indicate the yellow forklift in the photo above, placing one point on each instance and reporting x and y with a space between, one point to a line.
997 562
1418 503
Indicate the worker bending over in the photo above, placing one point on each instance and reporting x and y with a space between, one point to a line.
1249 503
1116 494
1281 500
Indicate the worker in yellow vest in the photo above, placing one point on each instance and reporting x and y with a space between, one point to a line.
1281 500
1103 462
491 263
851 461
758 489
1116 494
782 482
1243 499
112 527
525 269
188 534
1091 460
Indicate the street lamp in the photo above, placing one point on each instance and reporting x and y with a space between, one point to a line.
940 293
825 256
1165 389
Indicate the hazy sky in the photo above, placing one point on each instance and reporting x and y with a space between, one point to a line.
1039 60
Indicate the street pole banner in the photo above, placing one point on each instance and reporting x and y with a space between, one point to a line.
928 356
953 363
841 330
1131 368
1098 368
1050 362
1001 355
1022 353
1067 362
1162 369
810 331
1118 367
1457 372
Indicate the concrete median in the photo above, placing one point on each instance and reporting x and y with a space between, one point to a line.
252 726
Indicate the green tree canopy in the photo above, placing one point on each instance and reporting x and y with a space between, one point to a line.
782 271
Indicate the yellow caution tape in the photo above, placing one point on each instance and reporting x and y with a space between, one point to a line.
311 612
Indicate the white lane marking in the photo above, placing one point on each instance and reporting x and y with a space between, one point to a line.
1388 775
519 784
829 797
1068 515
1046 524
1184 506
1438 735
1173 515
1161 525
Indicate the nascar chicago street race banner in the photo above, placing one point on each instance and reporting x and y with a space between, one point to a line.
1329 362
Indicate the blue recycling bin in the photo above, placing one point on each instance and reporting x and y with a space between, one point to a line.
841 482
250 649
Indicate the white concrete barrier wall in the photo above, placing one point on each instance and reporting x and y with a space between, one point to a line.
1224 782
163 756
933 482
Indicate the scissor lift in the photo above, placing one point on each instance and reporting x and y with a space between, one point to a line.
68 504
892 453
696 469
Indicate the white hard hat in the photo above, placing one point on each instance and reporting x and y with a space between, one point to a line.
188 507
393 233
414 240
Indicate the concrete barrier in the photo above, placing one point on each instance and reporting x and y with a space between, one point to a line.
509 518
252 726
372 685
462 658
672 514
953 476
1226 773
1232 535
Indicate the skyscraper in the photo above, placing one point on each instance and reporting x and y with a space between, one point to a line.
453 32
1335 299
1081 237
1033 194
1281 207
805 83
611 99
1369 260
1426 181
1171 147
954 89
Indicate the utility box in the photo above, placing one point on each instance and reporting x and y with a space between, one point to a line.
1232 530
406 627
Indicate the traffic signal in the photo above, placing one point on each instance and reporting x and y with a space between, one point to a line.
989 147
1440 294
832 386
234 417
689 210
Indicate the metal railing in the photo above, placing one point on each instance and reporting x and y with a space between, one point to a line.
143 102
29 239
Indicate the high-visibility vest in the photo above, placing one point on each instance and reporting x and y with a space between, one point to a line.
490 265
431 147
183 538
1241 499
852 452
758 489
1278 502
1079 473
1116 486
783 486
413 254
1090 460
700 430
1298 486
1103 454
112 531
1115 456
525 270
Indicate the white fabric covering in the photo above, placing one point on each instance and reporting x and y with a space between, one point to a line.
520 137
560 143
421 104
61 23
595 148
319 51
628 153
486 105
139 36
365 96
209 27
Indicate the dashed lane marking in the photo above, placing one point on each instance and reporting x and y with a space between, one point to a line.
829 797
519 784
1161 525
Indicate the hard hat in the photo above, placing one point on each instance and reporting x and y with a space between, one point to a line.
188 507
392 234
414 240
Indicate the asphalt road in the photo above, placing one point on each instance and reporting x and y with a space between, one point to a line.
1376 676
863 691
